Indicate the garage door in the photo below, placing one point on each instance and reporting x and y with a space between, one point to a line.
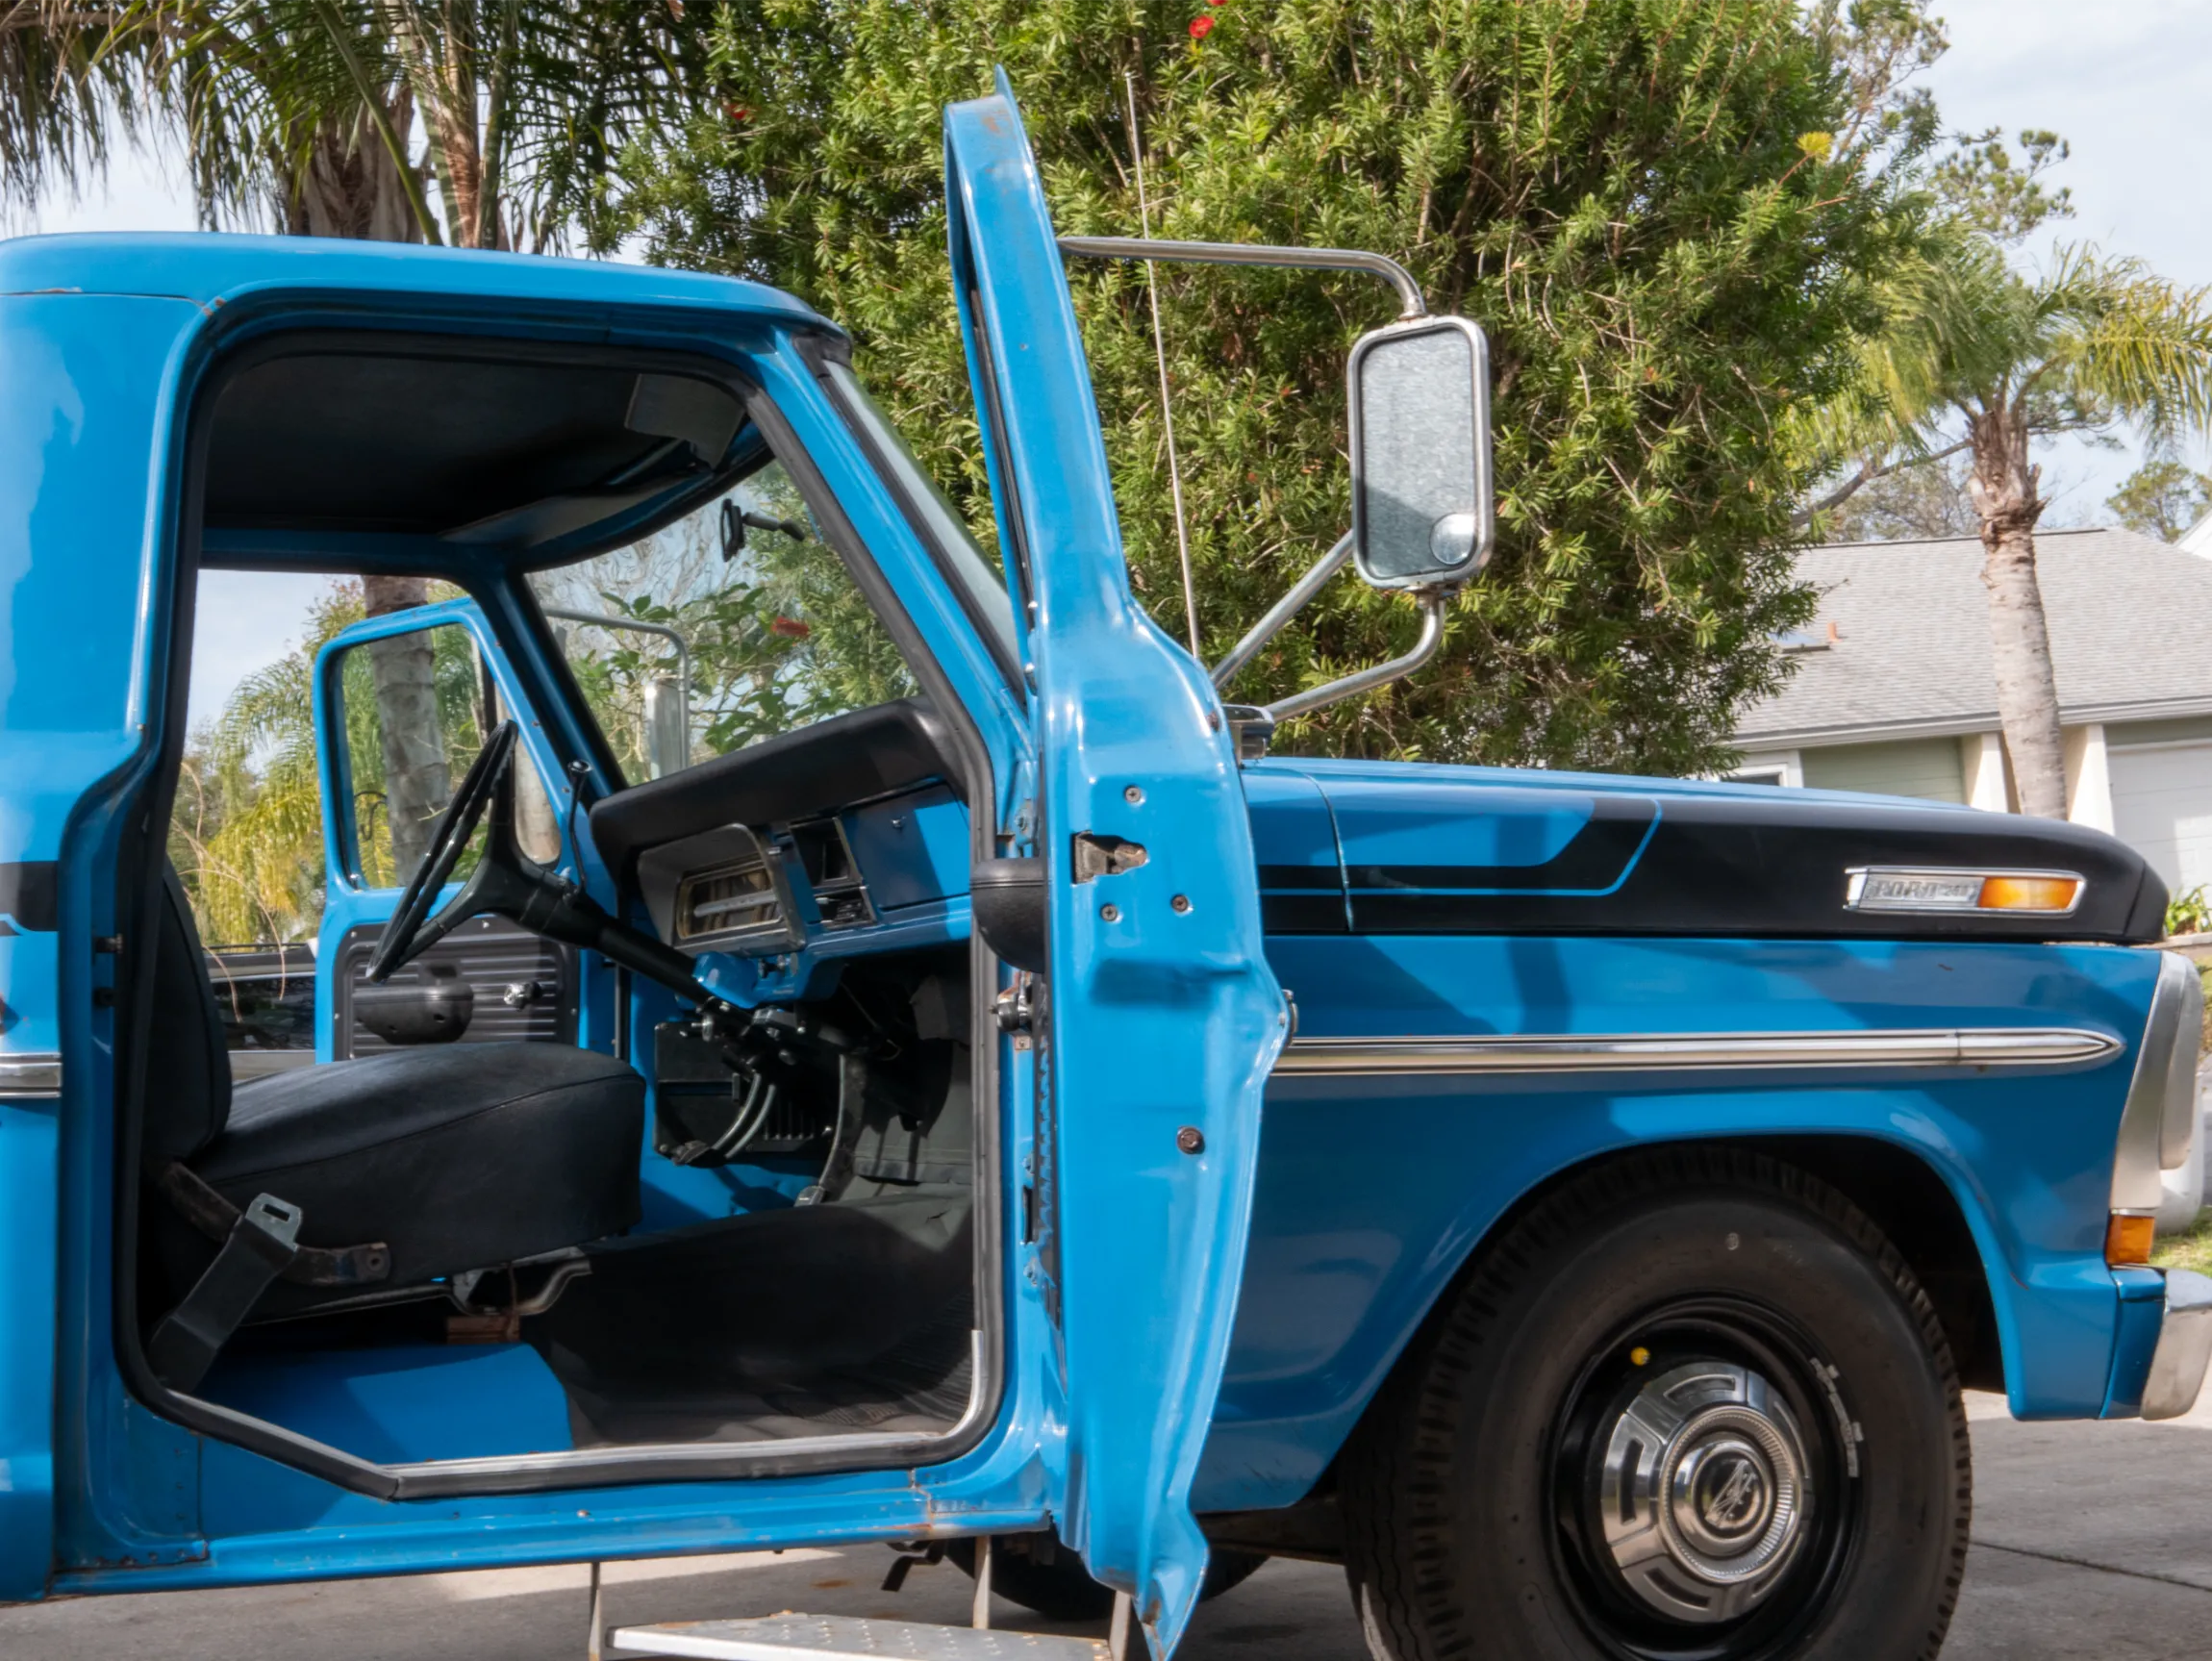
2162 807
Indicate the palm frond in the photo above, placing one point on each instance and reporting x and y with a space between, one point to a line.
2130 341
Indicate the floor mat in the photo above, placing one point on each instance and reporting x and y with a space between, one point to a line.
806 1321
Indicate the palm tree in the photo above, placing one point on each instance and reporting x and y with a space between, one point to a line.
312 106
1974 356
56 103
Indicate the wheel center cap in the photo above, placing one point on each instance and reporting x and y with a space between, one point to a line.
1703 1491
1723 1496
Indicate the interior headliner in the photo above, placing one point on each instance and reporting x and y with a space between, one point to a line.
523 451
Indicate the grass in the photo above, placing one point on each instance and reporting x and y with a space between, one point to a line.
2190 1250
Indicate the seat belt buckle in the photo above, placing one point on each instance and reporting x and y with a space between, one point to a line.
261 1244
278 1218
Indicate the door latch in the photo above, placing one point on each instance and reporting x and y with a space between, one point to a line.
1097 856
1015 1008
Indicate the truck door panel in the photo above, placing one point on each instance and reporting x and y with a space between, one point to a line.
513 986
491 979
1160 1018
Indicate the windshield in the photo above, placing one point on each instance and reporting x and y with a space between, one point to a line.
733 624
979 580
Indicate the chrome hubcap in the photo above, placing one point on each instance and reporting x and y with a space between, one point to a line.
1705 1491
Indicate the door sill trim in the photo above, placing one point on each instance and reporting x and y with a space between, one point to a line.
679 1461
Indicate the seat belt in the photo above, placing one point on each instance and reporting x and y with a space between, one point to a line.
208 1210
259 1247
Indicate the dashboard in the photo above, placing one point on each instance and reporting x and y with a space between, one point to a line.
845 837
759 890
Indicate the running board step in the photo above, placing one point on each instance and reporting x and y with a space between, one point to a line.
848 1638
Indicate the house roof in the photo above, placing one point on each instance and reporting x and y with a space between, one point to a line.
2130 622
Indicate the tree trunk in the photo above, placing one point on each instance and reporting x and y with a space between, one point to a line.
2004 490
410 735
352 186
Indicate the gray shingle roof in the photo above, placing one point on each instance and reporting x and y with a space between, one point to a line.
2131 635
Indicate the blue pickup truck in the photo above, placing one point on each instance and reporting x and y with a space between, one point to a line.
822 1035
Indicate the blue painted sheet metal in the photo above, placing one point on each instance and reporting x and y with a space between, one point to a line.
83 443
406 1402
1520 841
911 850
213 271
27 1207
1164 1016
90 428
1373 1191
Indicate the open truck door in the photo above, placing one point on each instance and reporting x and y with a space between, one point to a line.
1157 1020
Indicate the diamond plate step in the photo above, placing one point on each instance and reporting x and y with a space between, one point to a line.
848 1638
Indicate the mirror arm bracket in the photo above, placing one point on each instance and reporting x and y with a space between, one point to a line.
1280 614
1256 254
617 624
1432 605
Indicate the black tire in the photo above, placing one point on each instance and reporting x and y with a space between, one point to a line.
1060 1588
1477 1520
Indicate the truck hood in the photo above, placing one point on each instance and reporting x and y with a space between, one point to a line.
1392 847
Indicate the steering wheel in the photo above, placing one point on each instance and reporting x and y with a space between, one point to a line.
507 882
412 930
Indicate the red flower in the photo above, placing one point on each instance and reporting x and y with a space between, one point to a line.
1201 26
791 628
738 111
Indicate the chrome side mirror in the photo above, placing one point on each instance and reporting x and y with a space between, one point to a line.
1422 514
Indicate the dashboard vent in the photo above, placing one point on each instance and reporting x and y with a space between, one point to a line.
833 873
742 900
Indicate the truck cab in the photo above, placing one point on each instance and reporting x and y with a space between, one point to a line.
822 1033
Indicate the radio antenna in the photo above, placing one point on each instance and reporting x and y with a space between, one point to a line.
1160 352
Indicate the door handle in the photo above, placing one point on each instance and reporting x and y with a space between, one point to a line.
433 1011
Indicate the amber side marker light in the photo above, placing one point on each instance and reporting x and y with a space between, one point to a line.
1962 890
2029 893
2127 1241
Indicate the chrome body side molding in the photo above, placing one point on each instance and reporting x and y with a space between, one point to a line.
1911 1047
30 1073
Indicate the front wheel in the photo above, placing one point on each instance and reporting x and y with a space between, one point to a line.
1693 1406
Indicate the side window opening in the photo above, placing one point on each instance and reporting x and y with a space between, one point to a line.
418 705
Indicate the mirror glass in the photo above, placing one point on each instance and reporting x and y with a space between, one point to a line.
1421 510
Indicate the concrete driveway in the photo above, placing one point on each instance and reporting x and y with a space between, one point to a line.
2091 1540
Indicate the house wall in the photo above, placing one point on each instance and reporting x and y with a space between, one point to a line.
1928 767
2161 794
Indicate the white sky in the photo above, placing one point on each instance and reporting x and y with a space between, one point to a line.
2122 82
2118 79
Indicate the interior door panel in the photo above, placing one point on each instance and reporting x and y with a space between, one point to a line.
519 986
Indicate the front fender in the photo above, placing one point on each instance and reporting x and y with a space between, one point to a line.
1375 1191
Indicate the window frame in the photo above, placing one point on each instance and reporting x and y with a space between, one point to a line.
1001 643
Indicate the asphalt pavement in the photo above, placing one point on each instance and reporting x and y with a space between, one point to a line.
2089 1541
